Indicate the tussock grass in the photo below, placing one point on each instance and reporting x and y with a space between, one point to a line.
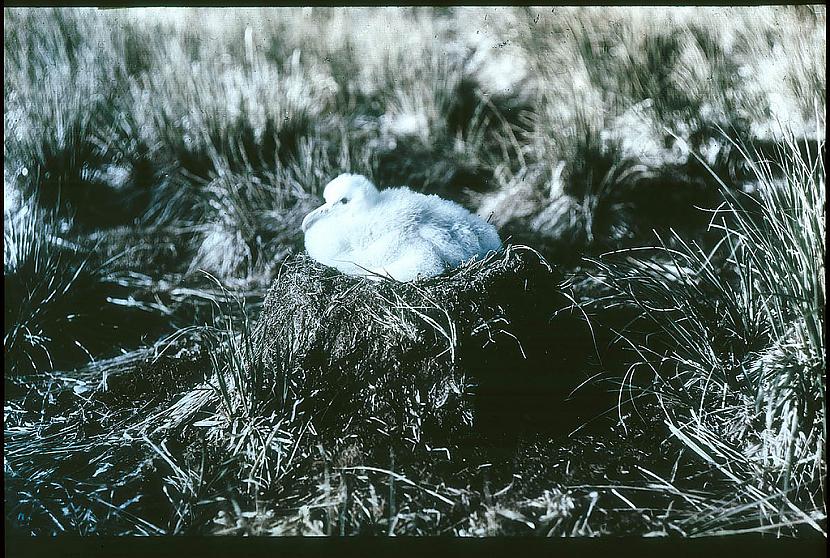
61 298
29 252
739 369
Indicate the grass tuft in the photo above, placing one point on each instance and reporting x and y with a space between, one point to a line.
737 355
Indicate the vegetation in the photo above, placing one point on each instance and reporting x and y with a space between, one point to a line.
646 356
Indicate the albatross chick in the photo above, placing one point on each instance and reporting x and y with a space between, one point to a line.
395 233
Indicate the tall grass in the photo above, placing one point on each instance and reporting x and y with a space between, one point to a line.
42 273
738 361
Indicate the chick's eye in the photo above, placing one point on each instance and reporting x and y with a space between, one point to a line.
344 200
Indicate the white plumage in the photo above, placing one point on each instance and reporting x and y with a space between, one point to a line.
395 232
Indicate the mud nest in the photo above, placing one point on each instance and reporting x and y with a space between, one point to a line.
414 361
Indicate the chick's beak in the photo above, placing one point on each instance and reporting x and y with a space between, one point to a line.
309 219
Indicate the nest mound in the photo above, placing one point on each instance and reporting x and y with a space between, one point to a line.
405 360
